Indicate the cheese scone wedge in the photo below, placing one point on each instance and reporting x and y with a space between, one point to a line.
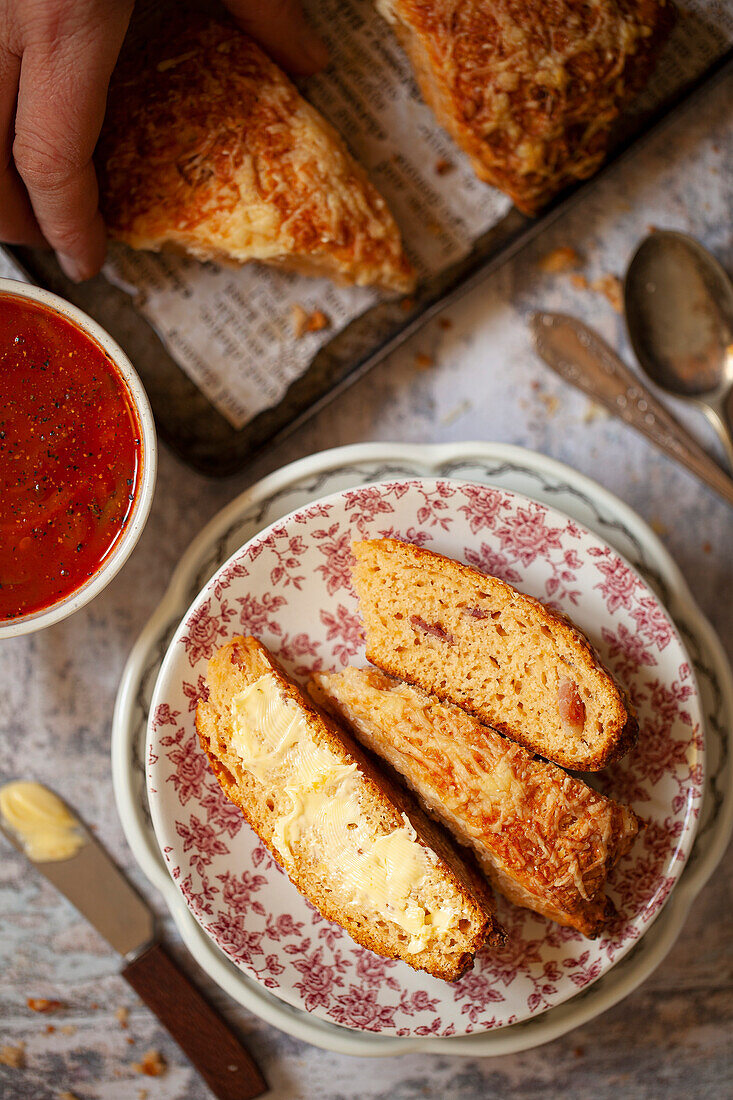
543 838
207 147
473 640
355 845
530 89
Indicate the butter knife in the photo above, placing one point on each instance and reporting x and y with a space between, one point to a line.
580 356
102 894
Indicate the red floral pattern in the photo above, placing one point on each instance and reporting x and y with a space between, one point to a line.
525 535
205 630
293 586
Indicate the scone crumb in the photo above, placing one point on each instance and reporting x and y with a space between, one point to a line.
66 1095
304 322
659 528
560 259
68 1029
610 287
122 1015
594 412
43 1004
445 323
423 361
152 1064
579 282
142 1094
443 167
407 304
13 1056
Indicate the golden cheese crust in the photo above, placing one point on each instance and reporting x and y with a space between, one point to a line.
530 89
544 838
209 148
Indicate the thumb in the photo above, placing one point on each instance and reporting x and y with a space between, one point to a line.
283 31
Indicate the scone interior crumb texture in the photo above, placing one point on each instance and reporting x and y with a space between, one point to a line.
320 808
475 641
544 838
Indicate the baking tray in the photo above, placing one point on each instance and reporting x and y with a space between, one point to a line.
193 428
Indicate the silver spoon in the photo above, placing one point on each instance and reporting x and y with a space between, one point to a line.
679 314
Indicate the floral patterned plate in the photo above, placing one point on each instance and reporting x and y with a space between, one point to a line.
290 585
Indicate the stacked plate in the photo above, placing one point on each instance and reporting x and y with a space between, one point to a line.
276 563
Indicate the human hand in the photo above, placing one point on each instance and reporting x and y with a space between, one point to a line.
56 58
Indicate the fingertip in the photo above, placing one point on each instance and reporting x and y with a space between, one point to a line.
87 261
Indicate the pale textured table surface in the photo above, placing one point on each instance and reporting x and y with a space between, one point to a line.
672 1038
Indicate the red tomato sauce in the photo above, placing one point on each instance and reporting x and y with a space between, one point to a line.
69 456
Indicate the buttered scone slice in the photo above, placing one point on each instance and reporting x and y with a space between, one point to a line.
354 844
545 840
208 147
475 641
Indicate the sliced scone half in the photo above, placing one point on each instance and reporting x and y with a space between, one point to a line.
355 845
544 839
530 90
207 147
475 641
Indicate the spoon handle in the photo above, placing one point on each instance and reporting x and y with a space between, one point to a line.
580 356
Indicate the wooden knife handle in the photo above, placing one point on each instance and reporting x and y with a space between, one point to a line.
199 1030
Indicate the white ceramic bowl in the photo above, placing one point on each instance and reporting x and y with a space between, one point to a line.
111 565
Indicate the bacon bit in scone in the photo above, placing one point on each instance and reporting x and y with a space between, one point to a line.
122 1015
434 629
43 1004
559 260
570 706
610 287
423 361
152 1064
443 167
13 1056
475 612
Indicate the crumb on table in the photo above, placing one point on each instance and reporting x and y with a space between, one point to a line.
43 1004
579 282
560 259
610 287
423 361
443 167
13 1055
152 1064
445 323
122 1015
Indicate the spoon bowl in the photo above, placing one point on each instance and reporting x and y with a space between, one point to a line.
678 302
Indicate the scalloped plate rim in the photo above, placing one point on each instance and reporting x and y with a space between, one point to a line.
534 1032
